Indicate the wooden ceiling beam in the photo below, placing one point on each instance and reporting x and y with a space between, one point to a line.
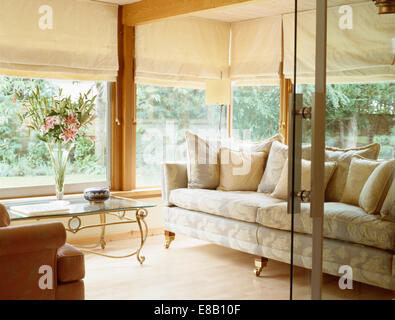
147 11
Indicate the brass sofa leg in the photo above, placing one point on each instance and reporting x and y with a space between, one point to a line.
260 263
169 237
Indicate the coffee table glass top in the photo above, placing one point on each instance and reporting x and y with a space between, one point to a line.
77 205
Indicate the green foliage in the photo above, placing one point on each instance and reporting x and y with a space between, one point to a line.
358 113
37 152
84 157
184 105
256 109
22 153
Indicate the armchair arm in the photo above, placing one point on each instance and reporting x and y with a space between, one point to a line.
31 238
174 176
4 217
23 251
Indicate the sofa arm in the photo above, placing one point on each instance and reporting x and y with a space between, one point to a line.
174 176
31 238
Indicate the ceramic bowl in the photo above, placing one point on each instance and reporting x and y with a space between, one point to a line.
96 194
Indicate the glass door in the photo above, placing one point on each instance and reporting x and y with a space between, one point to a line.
358 224
341 149
306 171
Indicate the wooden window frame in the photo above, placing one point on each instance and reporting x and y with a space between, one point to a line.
124 124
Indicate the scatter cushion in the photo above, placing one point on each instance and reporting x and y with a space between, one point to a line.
262 146
240 170
359 171
202 165
376 187
388 209
277 156
281 190
203 157
334 191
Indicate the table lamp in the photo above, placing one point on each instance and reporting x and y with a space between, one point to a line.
218 92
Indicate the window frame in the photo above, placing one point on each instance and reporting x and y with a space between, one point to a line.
153 189
123 177
70 188
285 88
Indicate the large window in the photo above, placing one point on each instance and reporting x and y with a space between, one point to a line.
256 112
24 160
163 116
357 114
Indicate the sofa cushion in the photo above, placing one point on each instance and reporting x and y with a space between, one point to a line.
70 263
203 167
277 156
239 205
341 221
376 187
343 157
358 173
388 209
240 170
281 190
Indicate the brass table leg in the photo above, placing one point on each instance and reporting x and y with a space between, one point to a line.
260 263
103 230
169 237
140 216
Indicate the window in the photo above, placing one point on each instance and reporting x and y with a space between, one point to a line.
357 114
24 160
256 111
163 116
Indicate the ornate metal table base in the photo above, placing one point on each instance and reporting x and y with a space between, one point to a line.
75 225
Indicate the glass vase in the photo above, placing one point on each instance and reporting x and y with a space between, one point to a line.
59 154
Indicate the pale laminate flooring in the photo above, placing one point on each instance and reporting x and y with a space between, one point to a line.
193 269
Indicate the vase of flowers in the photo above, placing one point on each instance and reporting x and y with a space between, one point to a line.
58 122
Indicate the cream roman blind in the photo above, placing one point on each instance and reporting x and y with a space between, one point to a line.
363 53
256 51
184 50
81 45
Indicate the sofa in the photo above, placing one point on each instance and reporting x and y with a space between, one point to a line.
25 249
258 223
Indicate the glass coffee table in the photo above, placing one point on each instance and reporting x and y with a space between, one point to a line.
76 207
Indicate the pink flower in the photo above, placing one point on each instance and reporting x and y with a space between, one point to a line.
72 121
68 134
50 123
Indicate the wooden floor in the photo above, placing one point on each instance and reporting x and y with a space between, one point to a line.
193 269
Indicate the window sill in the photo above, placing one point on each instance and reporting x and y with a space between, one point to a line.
136 194
139 193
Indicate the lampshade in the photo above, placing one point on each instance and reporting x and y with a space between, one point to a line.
218 92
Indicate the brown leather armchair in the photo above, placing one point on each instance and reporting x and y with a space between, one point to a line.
24 250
